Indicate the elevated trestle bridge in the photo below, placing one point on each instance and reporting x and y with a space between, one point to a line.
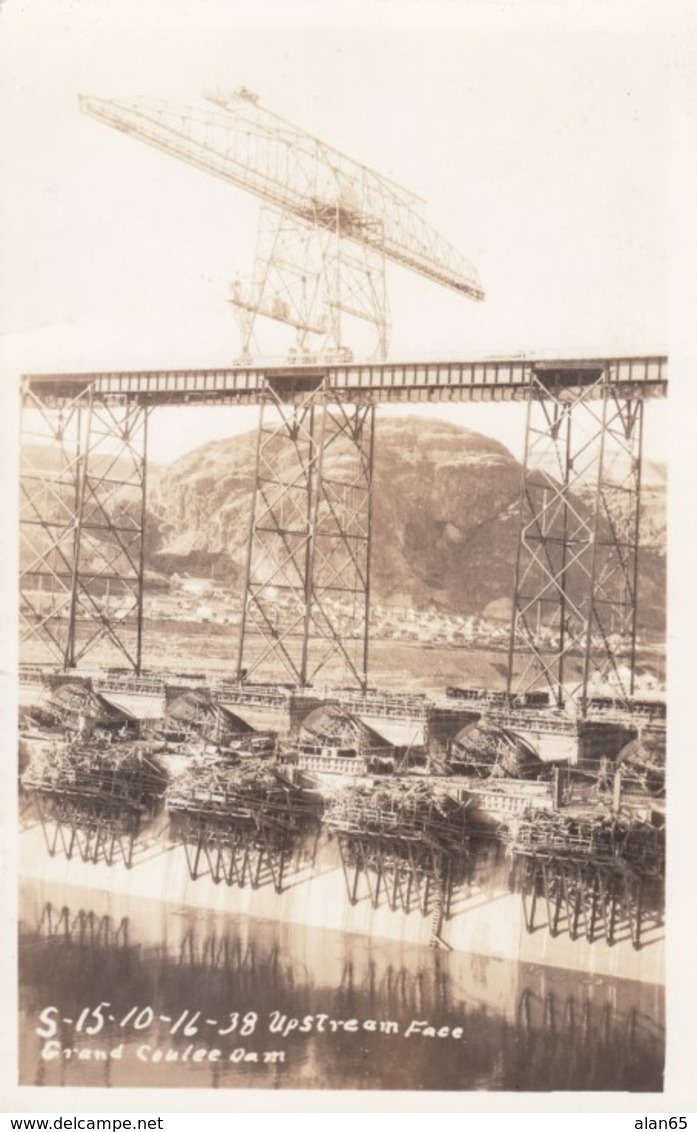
575 590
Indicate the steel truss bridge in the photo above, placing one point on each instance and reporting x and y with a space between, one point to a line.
307 585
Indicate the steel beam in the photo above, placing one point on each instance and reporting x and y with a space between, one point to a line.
494 379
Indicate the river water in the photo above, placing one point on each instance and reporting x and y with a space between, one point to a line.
139 993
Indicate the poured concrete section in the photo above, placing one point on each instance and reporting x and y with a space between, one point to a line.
137 706
397 732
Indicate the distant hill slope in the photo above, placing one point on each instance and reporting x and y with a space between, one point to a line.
445 518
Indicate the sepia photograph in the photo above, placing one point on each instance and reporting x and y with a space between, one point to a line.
336 357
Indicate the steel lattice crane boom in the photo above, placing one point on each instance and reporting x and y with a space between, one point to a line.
317 201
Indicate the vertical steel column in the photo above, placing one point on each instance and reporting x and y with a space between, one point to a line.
573 626
354 285
307 588
141 557
612 630
246 603
339 610
51 475
79 509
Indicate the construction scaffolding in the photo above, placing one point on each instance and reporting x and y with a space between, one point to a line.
409 843
307 588
575 598
307 584
598 874
93 800
242 825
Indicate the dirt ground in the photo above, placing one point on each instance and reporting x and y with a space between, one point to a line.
393 665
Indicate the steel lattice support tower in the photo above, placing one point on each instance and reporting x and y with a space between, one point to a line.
49 532
82 523
574 622
307 588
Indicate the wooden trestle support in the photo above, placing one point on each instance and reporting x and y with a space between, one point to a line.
246 841
407 874
239 853
409 848
92 829
598 875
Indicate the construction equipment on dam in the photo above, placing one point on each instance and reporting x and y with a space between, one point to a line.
268 772
404 838
311 530
95 799
596 873
328 224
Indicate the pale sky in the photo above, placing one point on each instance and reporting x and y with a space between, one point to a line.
537 133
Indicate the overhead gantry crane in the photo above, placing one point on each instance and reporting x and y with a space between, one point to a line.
307 587
328 227
328 224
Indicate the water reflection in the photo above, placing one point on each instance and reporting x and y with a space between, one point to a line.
307 1008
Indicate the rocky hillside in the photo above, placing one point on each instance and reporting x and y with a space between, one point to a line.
445 506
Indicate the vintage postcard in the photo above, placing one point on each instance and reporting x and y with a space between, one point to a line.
339 350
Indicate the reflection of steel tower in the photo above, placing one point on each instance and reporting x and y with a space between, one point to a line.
328 223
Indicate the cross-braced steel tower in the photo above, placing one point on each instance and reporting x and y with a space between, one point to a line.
308 573
574 622
82 525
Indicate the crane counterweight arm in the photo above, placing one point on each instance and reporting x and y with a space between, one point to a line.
296 173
